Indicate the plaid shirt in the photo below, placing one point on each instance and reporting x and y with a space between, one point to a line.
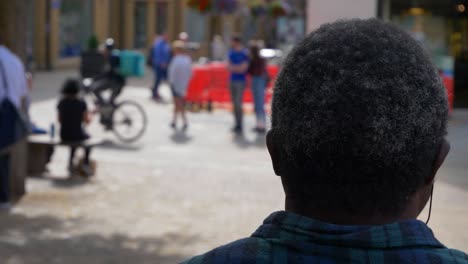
289 238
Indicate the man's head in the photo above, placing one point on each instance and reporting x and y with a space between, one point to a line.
358 120
236 42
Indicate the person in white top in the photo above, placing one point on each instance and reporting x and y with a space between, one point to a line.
218 49
180 74
13 86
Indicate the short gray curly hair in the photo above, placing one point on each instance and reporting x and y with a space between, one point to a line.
358 115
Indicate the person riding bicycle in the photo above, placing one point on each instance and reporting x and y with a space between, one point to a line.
111 80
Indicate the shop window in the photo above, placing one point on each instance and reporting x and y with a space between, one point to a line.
161 17
140 24
195 25
76 23
290 30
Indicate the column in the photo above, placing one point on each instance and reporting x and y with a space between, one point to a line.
101 19
129 24
150 22
54 29
40 33
176 9
115 19
181 15
386 9
172 23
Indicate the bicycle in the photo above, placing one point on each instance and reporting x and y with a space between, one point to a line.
126 119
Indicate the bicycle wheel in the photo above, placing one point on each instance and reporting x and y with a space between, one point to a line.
129 121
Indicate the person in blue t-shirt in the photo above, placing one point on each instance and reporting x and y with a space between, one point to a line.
238 64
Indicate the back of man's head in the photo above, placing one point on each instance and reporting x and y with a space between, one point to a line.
359 113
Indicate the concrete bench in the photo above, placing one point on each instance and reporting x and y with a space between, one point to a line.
39 148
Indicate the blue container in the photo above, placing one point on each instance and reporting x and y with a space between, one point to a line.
132 63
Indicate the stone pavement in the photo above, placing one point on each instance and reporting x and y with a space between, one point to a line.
172 195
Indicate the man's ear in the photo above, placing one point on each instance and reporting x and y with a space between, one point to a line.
274 153
440 158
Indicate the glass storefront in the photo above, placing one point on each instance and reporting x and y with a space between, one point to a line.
195 25
76 26
441 27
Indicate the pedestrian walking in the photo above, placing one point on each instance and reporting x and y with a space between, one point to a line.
13 97
160 58
258 72
180 73
73 115
237 65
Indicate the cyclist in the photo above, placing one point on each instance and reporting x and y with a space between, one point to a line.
111 80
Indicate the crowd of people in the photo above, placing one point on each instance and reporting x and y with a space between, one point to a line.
173 64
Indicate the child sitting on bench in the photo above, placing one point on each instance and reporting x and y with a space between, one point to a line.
73 115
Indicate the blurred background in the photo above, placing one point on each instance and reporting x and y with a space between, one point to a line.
169 194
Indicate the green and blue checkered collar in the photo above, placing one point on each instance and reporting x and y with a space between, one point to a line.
286 226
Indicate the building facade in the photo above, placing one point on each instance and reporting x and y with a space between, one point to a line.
57 30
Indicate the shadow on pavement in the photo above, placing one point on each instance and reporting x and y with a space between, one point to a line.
46 239
260 140
109 144
180 137
70 182
63 181
243 142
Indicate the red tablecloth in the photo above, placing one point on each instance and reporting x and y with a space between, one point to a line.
210 83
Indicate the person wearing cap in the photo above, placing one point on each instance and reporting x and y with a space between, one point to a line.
359 124
180 73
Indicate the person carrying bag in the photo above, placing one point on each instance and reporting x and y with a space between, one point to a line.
14 125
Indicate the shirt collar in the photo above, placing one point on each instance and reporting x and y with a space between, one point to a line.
292 227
